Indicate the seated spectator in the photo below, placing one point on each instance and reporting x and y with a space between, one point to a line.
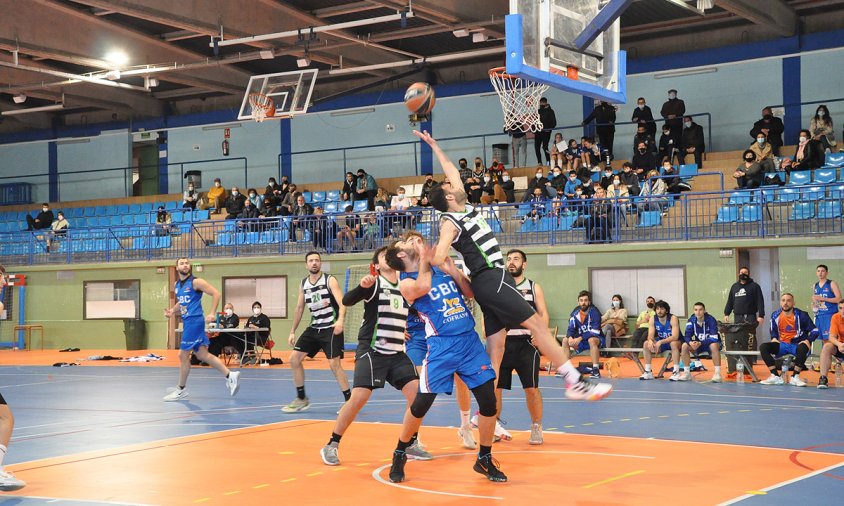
508 187
771 127
785 167
654 188
382 199
537 206
162 222
323 230
571 187
643 323
823 130
478 170
643 137
834 345
663 336
42 220
764 154
285 185
272 193
749 174
367 188
58 229
792 333
215 198
229 320
474 189
250 212
701 336
190 197
349 230
350 184
809 154
614 320
630 178
590 154
289 201
495 169
606 178
257 200
487 189
572 156
558 150
258 320
673 185
599 226
668 149
423 202
538 181
464 170
693 141
234 204
620 194
584 332
427 186
556 183
301 212
643 161
269 210
371 231
400 201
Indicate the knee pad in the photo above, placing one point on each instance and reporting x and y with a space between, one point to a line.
421 404
485 397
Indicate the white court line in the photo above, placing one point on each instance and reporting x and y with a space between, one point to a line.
18 427
51 382
83 501
782 484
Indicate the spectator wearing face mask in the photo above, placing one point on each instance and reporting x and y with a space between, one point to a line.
629 178
162 222
189 197
572 156
749 174
693 142
642 114
234 204
673 183
464 170
272 192
572 186
771 127
643 322
58 229
556 183
764 153
427 186
606 178
258 320
42 220
400 201
668 149
257 200
538 181
216 197
604 116
672 112
642 136
488 188
228 320
620 194
250 212
537 206
823 130
614 320
508 187
543 137
643 161
809 154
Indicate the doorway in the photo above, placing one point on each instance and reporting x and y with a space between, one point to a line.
145 168
764 268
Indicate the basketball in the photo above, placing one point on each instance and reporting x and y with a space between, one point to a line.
419 98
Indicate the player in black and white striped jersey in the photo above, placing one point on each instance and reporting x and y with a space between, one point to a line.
321 293
8 481
380 357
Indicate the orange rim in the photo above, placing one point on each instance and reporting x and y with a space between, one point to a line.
501 72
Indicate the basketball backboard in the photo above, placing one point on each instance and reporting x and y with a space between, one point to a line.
543 40
290 93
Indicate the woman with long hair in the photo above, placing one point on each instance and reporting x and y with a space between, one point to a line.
822 129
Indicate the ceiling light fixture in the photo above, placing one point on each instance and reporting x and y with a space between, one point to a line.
479 37
462 32
19 98
45 108
303 62
113 75
117 58
266 54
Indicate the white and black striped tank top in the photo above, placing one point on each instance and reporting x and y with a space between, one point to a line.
527 291
384 319
475 241
320 302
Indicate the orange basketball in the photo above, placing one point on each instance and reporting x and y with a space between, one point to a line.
419 98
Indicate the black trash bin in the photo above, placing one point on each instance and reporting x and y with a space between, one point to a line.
502 152
136 334
738 337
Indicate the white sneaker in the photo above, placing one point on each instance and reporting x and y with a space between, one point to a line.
473 422
468 437
687 376
297 405
796 381
536 434
675 377
501 434
773 379
176 394
231 382
329 455
588 391
9 483
716 378
647 375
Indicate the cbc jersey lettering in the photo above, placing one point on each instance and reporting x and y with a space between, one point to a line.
443 310
190 300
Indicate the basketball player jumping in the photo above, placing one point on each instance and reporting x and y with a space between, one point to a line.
8 481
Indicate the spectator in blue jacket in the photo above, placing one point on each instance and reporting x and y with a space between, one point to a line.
792 333
367 188
701 336
584 331
571 186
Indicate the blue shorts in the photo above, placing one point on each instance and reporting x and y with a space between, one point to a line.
787 349
417 348
583 345
464 355
664 347
823 322
193 334
706 343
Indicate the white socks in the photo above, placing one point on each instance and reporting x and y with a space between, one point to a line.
717 369
3 451
647 367
569 373
465 416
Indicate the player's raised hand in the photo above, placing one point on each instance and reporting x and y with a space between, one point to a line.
425 136
367 281
168 313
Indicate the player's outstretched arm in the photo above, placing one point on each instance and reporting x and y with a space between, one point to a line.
412 289
448 233
464 284
363 291
449 169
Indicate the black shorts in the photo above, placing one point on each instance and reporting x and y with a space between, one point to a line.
374 370
313 340
519 355
502 304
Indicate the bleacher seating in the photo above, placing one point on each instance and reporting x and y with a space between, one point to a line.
824 175
803 211
750 213
829 209
835 160
799 177
727 214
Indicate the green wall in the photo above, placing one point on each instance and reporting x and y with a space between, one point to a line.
57 303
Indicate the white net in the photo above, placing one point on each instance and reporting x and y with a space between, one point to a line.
262 106
354 314
519 100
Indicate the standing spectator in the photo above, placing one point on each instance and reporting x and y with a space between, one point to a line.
600 217
323 230
642 114
272 192
289 201
693 142
641 136
822 130
189 197
572 155
809 154
772 127
42 220
668 149
367 188
620 194
764 153
749 174
258 320
162 222
519 143
257 200
464 170
57 229
543 137
427 186
630 179
349 230
508 187
604 116
745 300
614 320
673 111
558 151
350 184
216 197
234 204
643 161
538 181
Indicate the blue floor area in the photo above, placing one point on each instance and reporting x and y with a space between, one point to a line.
61 411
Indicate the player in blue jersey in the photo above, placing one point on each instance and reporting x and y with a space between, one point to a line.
189 292
453 347
8 481
701 336
826 295
663 335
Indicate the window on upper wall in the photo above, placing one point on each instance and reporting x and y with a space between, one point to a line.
111 300
270 291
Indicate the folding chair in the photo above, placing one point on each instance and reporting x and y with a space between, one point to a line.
265 346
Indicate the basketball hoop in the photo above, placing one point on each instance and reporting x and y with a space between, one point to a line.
262 107
519 100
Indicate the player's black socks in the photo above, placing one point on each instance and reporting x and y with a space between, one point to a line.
414 437
485 450
300 392
335 438
402 446
227 374
347 394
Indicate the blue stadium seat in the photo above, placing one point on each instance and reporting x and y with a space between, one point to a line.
202 215
688 171
332 195
74 212
726 214
530 226
331 207
143 219
522 210
225 238
122 208
116 220
88 212
361 206
178 215
172 204
566 221
750 213
147 207
308 197
650 219
135 208
424 228
788 195
825 175
104 221
318 197
100 210
836 192
800 177
803 211
813 193
270 236
739 198
128 219
829 209
547 223
835 160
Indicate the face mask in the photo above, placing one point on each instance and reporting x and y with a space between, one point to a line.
608 173
744 277
252 195
578 192
228 312
538 175
666 132
573 179
217 185
256 311
650 305
556 173
803 139
641 106
45 209
190 188
821 114
761 140
749 158
462 165
505 178
687 124
235 193
477 164
767 116
401 195
672 96
486 179
616 182
616 304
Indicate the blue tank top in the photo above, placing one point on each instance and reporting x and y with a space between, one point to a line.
443 311
190 300
826 308
663 330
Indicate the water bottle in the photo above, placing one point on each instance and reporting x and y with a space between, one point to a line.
838 371
740 372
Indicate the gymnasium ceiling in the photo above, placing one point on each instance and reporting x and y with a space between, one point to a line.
46 46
